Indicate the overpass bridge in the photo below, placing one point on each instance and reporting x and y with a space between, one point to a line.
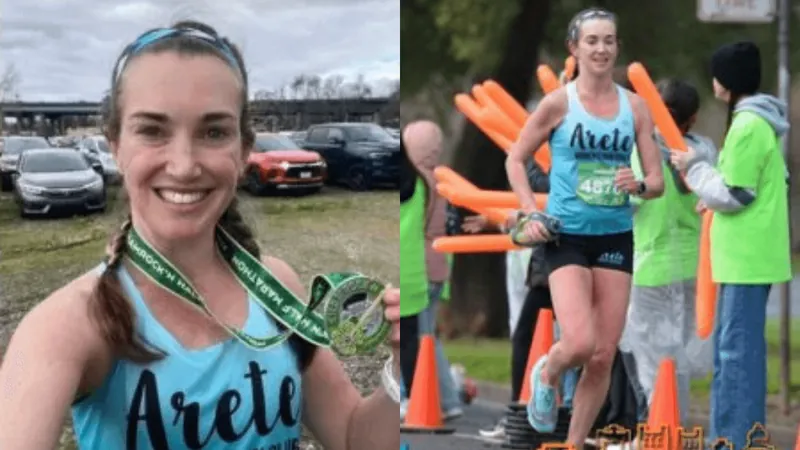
273 114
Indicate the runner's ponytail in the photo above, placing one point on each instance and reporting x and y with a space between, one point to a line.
233 222
113 313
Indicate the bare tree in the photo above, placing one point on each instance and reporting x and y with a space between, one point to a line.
357 89
280 93
362 88
313 86
9 88
297 85
265 94
9 84
331 87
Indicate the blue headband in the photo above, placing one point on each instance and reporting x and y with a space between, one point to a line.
160 34
583 16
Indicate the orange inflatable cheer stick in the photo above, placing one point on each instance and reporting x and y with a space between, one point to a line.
547 78
495 120
472 110
569 67
495 117
498 216
486 102
487 243
450 181
492 199
706 289
549 83
446 175
513 109
644 86
506 102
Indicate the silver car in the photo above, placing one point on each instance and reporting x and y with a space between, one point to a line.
12 147
57 180
96 148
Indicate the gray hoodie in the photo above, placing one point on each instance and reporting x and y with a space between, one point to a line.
707 182
703 146
705 151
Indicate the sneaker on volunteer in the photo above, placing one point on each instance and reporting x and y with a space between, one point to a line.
467 389
496 431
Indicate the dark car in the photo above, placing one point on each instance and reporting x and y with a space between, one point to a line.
57 180
360 155
12 147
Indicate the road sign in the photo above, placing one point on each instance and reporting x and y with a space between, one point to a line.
736 11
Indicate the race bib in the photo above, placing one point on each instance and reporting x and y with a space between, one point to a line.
596 185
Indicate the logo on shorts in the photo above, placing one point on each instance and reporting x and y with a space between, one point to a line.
615 258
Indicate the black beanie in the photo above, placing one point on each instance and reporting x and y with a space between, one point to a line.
737 67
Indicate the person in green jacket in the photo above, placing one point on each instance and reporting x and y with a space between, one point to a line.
424 141
661 315
748 194
413 271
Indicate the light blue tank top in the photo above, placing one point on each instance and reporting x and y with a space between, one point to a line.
221 397
586 152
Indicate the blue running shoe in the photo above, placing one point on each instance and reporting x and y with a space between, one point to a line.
542 408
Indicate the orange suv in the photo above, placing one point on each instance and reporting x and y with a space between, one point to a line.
277 164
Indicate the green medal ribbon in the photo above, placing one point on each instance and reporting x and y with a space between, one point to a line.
268 292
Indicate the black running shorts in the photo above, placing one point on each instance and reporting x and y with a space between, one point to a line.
609 251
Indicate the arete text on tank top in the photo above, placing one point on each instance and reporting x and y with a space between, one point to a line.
226 396
586 151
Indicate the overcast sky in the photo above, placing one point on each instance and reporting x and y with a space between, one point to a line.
64 50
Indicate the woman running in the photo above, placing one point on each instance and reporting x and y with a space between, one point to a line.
141 348
748 193
592 125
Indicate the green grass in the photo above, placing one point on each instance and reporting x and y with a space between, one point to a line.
333 230
490 360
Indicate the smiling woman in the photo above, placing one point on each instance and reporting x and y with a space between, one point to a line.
176 341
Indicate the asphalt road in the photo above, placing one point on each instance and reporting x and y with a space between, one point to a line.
484 412
478 415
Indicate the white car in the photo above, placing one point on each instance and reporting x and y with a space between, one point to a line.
96 148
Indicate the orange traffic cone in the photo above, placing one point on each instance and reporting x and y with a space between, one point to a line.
542 341
424 413
797 443
661 431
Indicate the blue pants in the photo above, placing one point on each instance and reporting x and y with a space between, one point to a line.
448 392
739 385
